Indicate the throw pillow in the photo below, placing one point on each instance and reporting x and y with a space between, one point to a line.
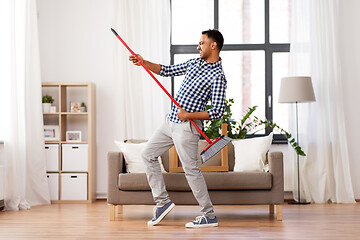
132 154
250 154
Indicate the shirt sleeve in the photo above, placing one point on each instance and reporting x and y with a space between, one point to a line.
218 98
173 70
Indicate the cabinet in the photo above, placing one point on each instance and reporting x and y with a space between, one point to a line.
75 157
71 161
53 182
74 186
52 157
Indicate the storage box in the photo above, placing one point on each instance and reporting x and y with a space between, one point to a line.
52 157
75 157
53 181
74 186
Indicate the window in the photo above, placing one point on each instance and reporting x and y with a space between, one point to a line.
255 54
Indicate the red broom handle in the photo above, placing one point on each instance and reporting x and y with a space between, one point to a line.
162 87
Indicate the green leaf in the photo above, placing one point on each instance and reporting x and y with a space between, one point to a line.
248 123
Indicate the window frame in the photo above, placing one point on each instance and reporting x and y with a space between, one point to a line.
267 47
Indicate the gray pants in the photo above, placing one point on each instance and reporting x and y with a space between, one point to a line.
185 138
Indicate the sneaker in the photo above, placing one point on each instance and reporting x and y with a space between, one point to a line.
203 221
160 213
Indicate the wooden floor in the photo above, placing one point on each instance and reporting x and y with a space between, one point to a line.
90 221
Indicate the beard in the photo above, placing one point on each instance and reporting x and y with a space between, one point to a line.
203 56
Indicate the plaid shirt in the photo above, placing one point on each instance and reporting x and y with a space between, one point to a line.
203 81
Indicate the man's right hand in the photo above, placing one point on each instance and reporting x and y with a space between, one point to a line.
135 61
154 67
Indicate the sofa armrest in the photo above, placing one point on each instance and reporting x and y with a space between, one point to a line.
115 166
277 171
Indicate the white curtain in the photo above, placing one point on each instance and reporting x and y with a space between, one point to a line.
145 27
325 173
21 113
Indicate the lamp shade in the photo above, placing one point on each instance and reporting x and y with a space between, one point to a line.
296 89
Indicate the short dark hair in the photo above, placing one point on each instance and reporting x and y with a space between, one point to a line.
216 36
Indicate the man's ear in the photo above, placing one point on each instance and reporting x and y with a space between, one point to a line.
213 45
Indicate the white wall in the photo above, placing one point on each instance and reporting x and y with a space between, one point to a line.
350 73
75 45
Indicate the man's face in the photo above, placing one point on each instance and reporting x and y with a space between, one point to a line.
205 45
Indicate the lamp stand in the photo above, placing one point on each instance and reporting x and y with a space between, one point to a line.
298 165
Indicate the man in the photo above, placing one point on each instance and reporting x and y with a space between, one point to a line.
204 80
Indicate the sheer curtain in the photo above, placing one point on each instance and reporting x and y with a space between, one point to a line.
145 27
325 173
21 114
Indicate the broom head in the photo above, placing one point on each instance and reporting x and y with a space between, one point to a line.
211 149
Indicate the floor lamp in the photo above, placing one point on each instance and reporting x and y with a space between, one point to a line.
296 90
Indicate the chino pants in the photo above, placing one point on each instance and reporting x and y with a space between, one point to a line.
185 137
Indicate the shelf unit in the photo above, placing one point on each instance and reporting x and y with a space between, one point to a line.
64 93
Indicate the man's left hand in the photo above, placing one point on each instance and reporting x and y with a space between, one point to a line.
182 114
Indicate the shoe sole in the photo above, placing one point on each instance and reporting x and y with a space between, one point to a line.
162 216
202 225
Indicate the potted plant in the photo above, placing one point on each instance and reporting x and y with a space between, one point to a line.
242 129
83 107
47 101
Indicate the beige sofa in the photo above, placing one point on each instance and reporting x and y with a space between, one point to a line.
225 188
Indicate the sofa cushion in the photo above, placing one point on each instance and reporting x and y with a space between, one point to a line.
250 154
132 156
214 181
164 156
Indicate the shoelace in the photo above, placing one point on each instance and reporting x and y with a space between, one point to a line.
199 219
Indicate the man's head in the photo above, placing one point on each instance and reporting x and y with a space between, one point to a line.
210 43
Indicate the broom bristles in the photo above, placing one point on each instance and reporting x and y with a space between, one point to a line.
214 148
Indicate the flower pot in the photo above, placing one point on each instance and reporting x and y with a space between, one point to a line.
46 107
82 109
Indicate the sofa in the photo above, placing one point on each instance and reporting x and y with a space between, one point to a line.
225 188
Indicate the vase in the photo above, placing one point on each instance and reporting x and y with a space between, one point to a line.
46 107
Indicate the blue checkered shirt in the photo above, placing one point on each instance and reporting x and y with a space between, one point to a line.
203 82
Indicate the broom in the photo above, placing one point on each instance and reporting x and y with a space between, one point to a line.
214 145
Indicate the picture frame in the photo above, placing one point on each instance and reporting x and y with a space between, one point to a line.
51 132
74 107
52 109
73 136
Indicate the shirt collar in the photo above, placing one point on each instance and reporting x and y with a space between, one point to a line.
212 65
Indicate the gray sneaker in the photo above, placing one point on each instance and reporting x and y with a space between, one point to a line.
203 221
160 213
